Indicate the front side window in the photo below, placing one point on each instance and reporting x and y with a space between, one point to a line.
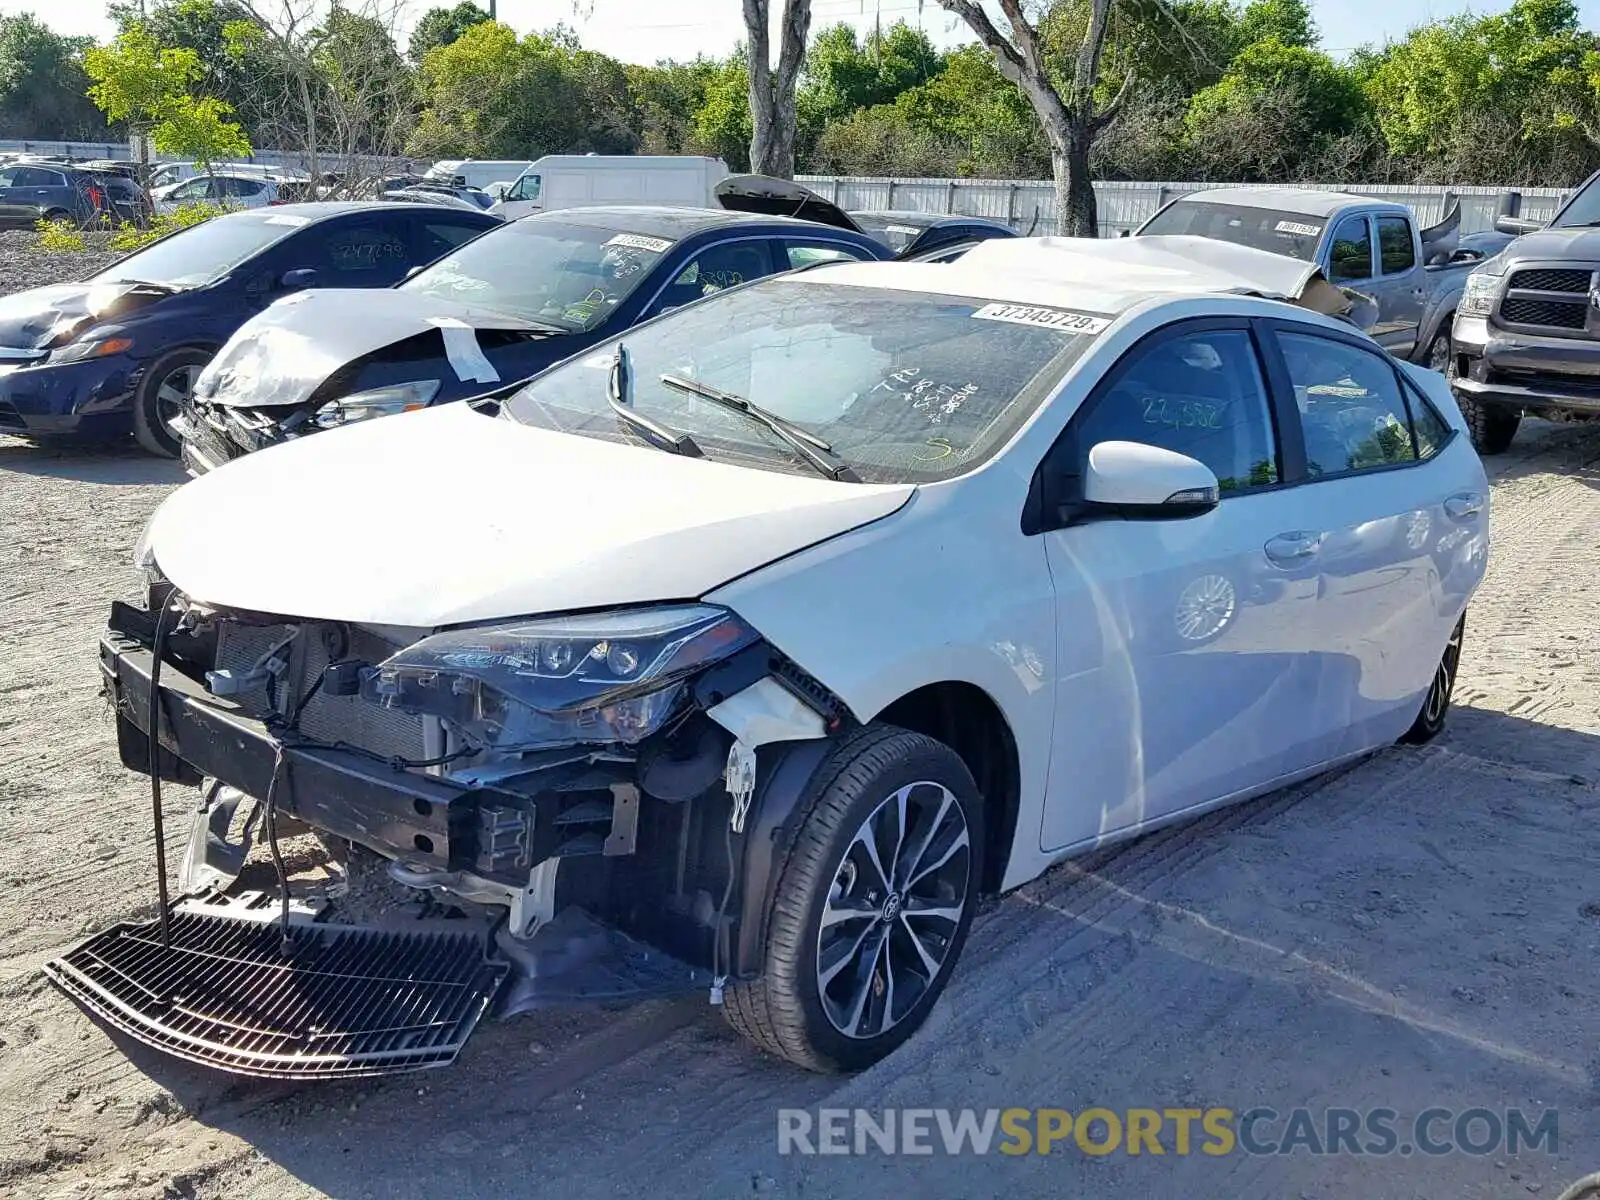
715 269
1200 394
1351 410
525 188
904 386
364 254
1351 258
37 177
560 273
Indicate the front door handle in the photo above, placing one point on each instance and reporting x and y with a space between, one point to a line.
1292 548
1467 504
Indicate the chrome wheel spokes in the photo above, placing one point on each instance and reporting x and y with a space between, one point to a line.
893 909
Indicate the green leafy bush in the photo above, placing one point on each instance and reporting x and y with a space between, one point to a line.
129 237
60 237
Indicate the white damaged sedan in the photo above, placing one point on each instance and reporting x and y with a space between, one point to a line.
777 633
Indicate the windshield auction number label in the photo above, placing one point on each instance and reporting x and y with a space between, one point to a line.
638 241
1044 318
1299 227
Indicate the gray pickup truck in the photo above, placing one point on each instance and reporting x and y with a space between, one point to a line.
1414 276
1527 331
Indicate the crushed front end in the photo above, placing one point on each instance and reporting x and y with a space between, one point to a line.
587 796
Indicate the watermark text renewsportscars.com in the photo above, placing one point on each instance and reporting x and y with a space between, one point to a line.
1181 1132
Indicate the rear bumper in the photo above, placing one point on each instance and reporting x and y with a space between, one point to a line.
68 398
1529 373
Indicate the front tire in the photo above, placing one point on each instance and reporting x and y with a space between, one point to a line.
1490 426
166 384
872 906
1436 704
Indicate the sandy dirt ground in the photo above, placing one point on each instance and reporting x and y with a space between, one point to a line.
1419 930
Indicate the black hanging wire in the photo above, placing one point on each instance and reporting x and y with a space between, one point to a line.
286 934
155 774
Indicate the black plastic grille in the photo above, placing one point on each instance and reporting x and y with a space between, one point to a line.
1552 279
1556 314
347 1001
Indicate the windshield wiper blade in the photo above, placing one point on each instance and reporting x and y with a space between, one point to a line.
619 394
808 446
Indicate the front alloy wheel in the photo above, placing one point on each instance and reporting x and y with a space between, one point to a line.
872 905
163 390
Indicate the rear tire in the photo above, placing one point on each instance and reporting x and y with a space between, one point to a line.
166 384
854 960
1436 704
1491 426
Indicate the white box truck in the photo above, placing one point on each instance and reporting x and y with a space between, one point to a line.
578 180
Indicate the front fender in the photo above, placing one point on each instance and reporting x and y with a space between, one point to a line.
948 589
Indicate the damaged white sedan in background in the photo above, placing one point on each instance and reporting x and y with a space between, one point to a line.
767 639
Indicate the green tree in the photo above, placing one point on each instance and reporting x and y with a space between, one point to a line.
844 73
666 99
1286 21
723 123
152 89
441 26
43 87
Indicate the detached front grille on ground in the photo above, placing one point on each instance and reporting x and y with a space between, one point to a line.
346 1002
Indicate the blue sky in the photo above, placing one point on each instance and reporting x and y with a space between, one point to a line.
645 30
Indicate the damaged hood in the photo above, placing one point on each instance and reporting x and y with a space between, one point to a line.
448 515
281 356
36 319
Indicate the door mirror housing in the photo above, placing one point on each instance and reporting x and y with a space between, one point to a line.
1131 479
1517 226
301 277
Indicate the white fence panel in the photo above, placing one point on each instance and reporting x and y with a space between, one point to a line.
1029 205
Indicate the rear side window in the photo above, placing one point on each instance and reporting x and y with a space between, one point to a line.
1351 257
803 254
1432 430
1351 408
37 177
1394 245
1200 393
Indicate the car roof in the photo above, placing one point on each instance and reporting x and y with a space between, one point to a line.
664 221
1311 202
923 220
1073 273
322 210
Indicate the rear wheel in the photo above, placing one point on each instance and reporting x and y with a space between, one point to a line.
1491 426
872 907
161 395
1436 705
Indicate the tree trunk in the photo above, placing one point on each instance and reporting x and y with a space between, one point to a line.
772 90
1076 212
772 146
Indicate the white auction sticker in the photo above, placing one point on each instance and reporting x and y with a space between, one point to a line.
1299 227
461 347
1045 318
286 219
638 241
912 230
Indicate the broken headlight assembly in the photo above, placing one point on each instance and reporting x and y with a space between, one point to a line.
379 402
613 677
106 343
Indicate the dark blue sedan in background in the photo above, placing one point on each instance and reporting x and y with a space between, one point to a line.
119 352
504 308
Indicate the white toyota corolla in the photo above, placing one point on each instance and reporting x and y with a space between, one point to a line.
777 633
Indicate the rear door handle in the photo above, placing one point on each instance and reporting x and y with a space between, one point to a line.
1293 547
1467 504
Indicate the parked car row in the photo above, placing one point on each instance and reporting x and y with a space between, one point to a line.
269 287
807 595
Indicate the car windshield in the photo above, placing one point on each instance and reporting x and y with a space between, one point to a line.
903 386
569 275
1582 209
204 253
1294 234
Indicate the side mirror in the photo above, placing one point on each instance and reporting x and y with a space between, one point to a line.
1131 479
302 277
1517 226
